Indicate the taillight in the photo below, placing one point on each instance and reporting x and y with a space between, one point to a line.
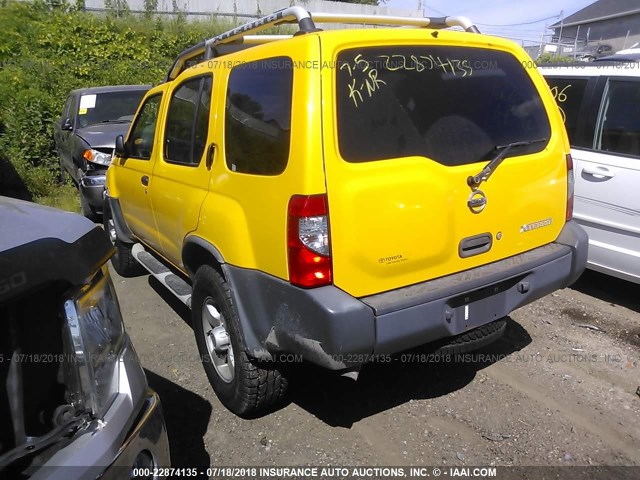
308 248
570 185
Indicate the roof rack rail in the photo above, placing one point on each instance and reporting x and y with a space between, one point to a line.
306 23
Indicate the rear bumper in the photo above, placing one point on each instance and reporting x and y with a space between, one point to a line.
335 330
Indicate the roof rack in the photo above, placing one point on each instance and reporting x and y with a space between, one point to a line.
306 23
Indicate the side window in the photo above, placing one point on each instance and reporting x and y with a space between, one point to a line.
618 129
258 117
568 93
67 108
140 141
188 122
73 110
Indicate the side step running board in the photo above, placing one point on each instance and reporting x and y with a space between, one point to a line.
175 284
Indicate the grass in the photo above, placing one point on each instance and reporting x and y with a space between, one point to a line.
64 197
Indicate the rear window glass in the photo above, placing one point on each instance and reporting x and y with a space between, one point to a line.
454 105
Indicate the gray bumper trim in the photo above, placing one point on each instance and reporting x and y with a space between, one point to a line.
92 185
148 434
574 236
458 283
460 311
333 329
321 324
572 241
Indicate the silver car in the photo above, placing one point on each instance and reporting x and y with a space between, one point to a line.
74 400
600 105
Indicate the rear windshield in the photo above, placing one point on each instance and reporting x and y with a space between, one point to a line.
454 105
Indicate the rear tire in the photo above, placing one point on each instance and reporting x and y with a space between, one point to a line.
473 339
123 260
242 385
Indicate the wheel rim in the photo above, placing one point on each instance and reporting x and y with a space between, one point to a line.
111 230
217 341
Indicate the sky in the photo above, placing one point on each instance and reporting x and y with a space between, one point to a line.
516 19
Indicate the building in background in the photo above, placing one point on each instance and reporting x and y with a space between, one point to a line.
599 29
239 11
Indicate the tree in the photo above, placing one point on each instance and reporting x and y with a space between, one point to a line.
118 7
150 6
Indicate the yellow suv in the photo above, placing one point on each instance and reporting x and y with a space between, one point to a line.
339 196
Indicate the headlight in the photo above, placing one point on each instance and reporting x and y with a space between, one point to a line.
97 339
97 157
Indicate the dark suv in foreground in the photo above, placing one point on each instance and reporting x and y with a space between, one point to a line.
74 400
85 136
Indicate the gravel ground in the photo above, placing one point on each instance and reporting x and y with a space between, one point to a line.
560 388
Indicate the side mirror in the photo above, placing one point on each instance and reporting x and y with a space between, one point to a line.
67 124
121 149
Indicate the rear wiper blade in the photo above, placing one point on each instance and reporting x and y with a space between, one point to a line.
475 180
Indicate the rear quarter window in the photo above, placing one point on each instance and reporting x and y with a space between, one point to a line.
258 116
454 105
568 93
618 128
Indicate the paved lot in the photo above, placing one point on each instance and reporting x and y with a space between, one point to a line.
558 389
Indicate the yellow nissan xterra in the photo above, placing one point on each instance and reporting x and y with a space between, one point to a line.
339 196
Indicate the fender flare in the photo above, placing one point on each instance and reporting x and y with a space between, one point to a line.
122 230
252 344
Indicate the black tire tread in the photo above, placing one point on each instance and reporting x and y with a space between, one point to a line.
124 262
257 386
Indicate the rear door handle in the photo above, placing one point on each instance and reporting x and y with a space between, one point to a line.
599 171
210 153
145 180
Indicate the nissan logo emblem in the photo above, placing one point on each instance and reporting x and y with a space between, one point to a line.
477 201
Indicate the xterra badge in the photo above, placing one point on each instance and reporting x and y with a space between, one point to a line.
532 226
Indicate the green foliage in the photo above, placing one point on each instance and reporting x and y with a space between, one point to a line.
553 58
150 6
117 7
45 52
64 197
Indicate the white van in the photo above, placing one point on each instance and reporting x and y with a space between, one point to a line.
600 104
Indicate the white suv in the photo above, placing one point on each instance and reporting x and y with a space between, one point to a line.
600 105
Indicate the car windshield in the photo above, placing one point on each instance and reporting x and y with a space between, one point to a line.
453 105
108 107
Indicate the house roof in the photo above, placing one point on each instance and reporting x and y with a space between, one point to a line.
600 10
